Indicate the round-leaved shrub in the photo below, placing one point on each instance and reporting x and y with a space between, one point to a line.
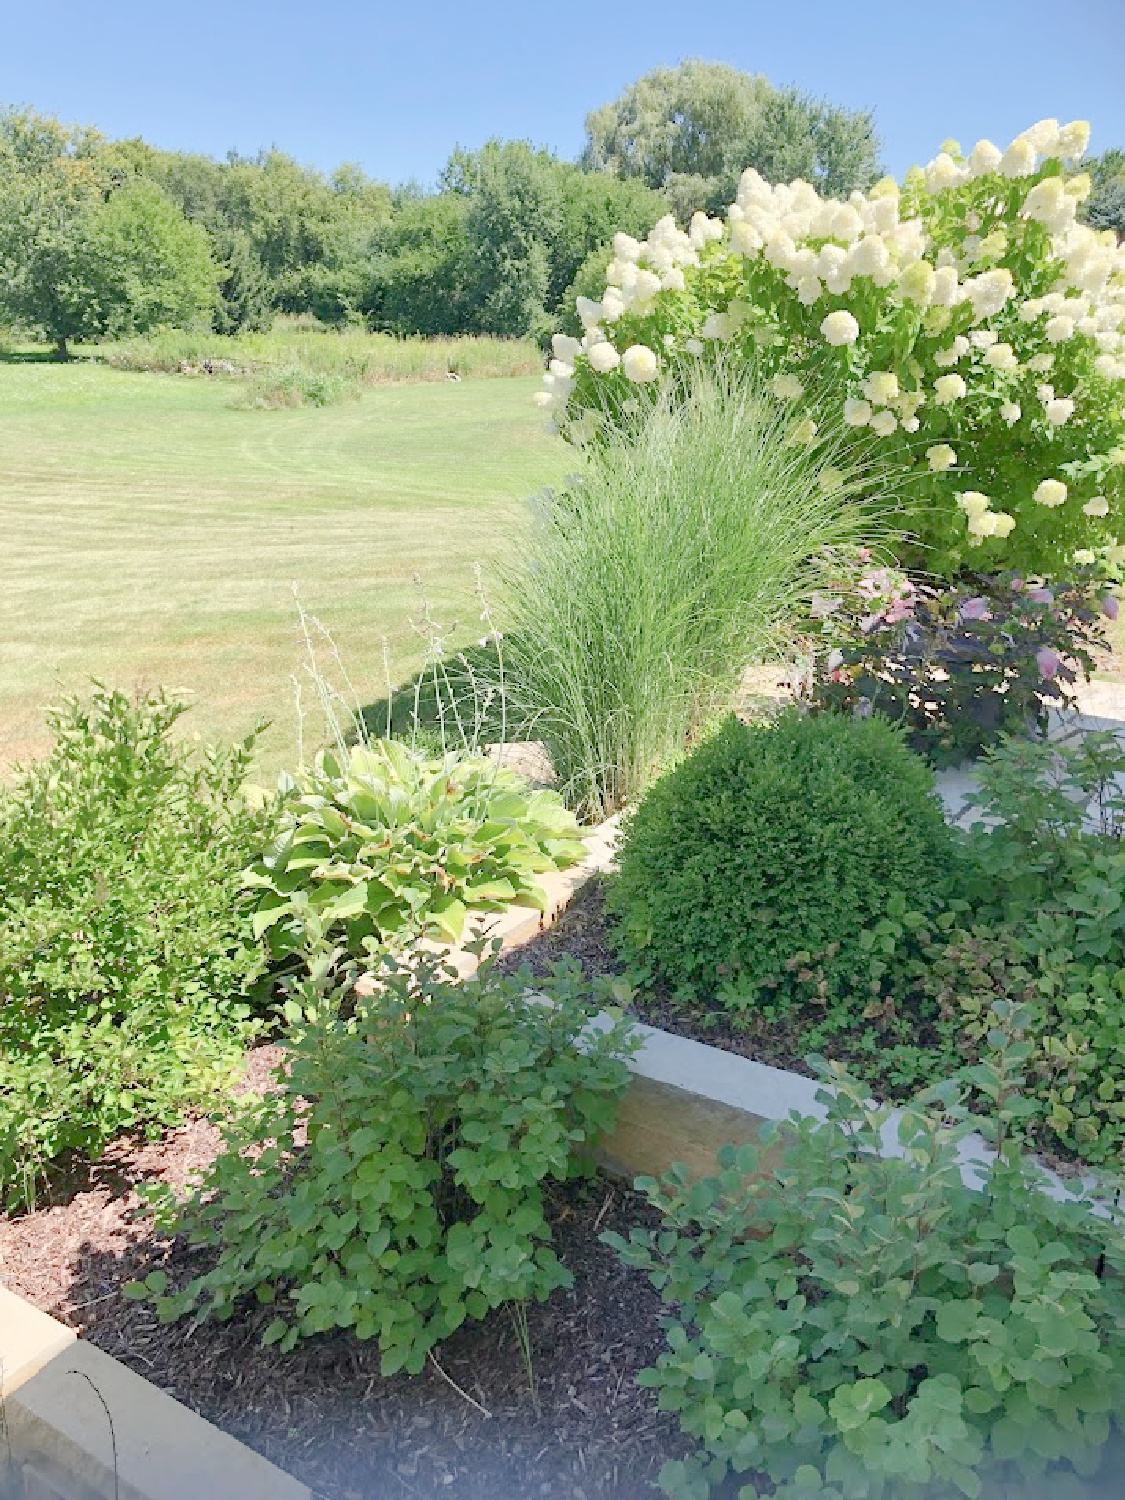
754 867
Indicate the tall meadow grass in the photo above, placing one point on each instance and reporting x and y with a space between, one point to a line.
349 355
656 576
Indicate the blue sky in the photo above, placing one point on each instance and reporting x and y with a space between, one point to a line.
396 87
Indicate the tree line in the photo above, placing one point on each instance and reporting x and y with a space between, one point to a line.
101 238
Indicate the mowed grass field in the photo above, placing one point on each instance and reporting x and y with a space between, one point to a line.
152 535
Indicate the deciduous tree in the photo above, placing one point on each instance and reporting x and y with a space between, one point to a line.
692 130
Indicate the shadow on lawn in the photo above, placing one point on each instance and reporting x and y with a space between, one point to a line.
35 357
457 697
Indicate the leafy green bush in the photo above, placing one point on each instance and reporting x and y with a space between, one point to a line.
292 385
380 845
394 1184
849 1326
755 865
1049 884
956 666
126 949
1036 915
1076 1027
657 575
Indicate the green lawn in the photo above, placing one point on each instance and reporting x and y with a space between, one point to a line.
151 534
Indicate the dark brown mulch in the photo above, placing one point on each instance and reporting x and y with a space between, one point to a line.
582 933
579 933
323 1412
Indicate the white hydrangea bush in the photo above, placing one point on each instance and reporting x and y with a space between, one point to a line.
965 324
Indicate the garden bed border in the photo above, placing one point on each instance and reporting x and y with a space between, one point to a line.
60 1444
686 1099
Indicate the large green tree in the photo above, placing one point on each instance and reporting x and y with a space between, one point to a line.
675 122
297 217
532 220
86 246
245 298
420 277
52 177
146 264
692 130
311 235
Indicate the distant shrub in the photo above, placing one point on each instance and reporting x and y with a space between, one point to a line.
126 950
754 865
351 354
293 386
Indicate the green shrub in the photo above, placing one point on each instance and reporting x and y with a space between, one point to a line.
1036 914
291 385
657 575
1076 1026
760 859
394 1184
1048 885
380 845
126 950
848 1326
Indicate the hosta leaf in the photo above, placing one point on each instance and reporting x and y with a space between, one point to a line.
263 920
489 890
350 903
448 915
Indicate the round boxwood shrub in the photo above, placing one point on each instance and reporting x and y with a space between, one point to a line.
752 869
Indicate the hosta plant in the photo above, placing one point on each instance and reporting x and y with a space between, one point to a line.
394 1182
963 323
847 1325
381 845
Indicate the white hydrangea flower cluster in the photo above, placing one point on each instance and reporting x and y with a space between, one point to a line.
981 520
1012 371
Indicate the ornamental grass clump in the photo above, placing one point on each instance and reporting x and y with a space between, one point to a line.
968 325
654 578
749 873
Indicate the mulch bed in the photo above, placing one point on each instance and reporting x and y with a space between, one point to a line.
582 933
323 1412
